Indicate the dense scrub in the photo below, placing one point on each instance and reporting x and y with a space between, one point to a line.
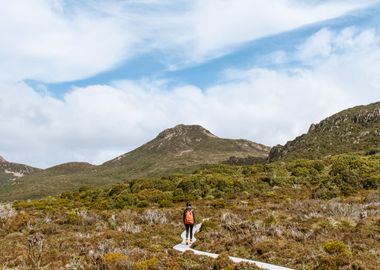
304 214
328 178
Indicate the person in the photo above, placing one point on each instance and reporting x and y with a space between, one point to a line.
189 221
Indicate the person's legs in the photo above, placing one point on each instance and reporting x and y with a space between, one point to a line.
187 232
191 232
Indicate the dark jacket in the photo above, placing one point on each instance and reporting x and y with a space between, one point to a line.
188 208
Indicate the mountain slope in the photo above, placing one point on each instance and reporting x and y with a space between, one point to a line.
11 173
173 150
354 129
57 179
183 146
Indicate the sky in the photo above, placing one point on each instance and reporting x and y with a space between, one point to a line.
91 80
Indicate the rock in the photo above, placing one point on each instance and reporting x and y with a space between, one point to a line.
2 160
275 152
312 128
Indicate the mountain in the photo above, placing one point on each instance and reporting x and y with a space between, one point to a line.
351 130
11 173
183 146
177 149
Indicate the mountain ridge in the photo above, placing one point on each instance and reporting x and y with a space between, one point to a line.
177 149
351 130
184 147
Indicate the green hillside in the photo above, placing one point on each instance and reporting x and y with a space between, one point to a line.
12 173
354 129
179 149
54 180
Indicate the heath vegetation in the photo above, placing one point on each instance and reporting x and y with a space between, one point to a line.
303 214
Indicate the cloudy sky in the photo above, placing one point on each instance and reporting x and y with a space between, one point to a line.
90 80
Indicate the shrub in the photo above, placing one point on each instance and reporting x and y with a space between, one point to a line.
154 217
179 198
333 263
219 204
209 197
271 220
262 248
36 248
153 195
223 262
326 190
125 199
318 165
209 225
142 204
335 247
166 203
187 185
6 211
372 152
230 219
300 172
372 182
109 257
148 264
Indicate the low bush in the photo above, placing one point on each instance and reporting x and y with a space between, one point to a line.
149 264
209 225
335 247
110 257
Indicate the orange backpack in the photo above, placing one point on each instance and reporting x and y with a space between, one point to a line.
189 218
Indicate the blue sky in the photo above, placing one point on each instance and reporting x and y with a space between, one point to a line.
90 80
156 64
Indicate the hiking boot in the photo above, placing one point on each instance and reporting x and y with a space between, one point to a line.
187 241
191 241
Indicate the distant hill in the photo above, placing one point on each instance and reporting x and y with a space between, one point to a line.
354 129
11 173
54 180
177 149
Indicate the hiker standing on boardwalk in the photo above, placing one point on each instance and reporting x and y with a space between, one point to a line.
189 221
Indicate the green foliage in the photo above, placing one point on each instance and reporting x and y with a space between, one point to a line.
149 264
110 257
155 159
166 203
209 225
335 247
372 151
341 175
326 190
142 204
219 204
269 212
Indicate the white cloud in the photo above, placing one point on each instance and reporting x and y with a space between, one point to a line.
99 122
46 41
62 40
219 24
40 41
326 43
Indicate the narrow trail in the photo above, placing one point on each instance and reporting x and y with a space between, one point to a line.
182 247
